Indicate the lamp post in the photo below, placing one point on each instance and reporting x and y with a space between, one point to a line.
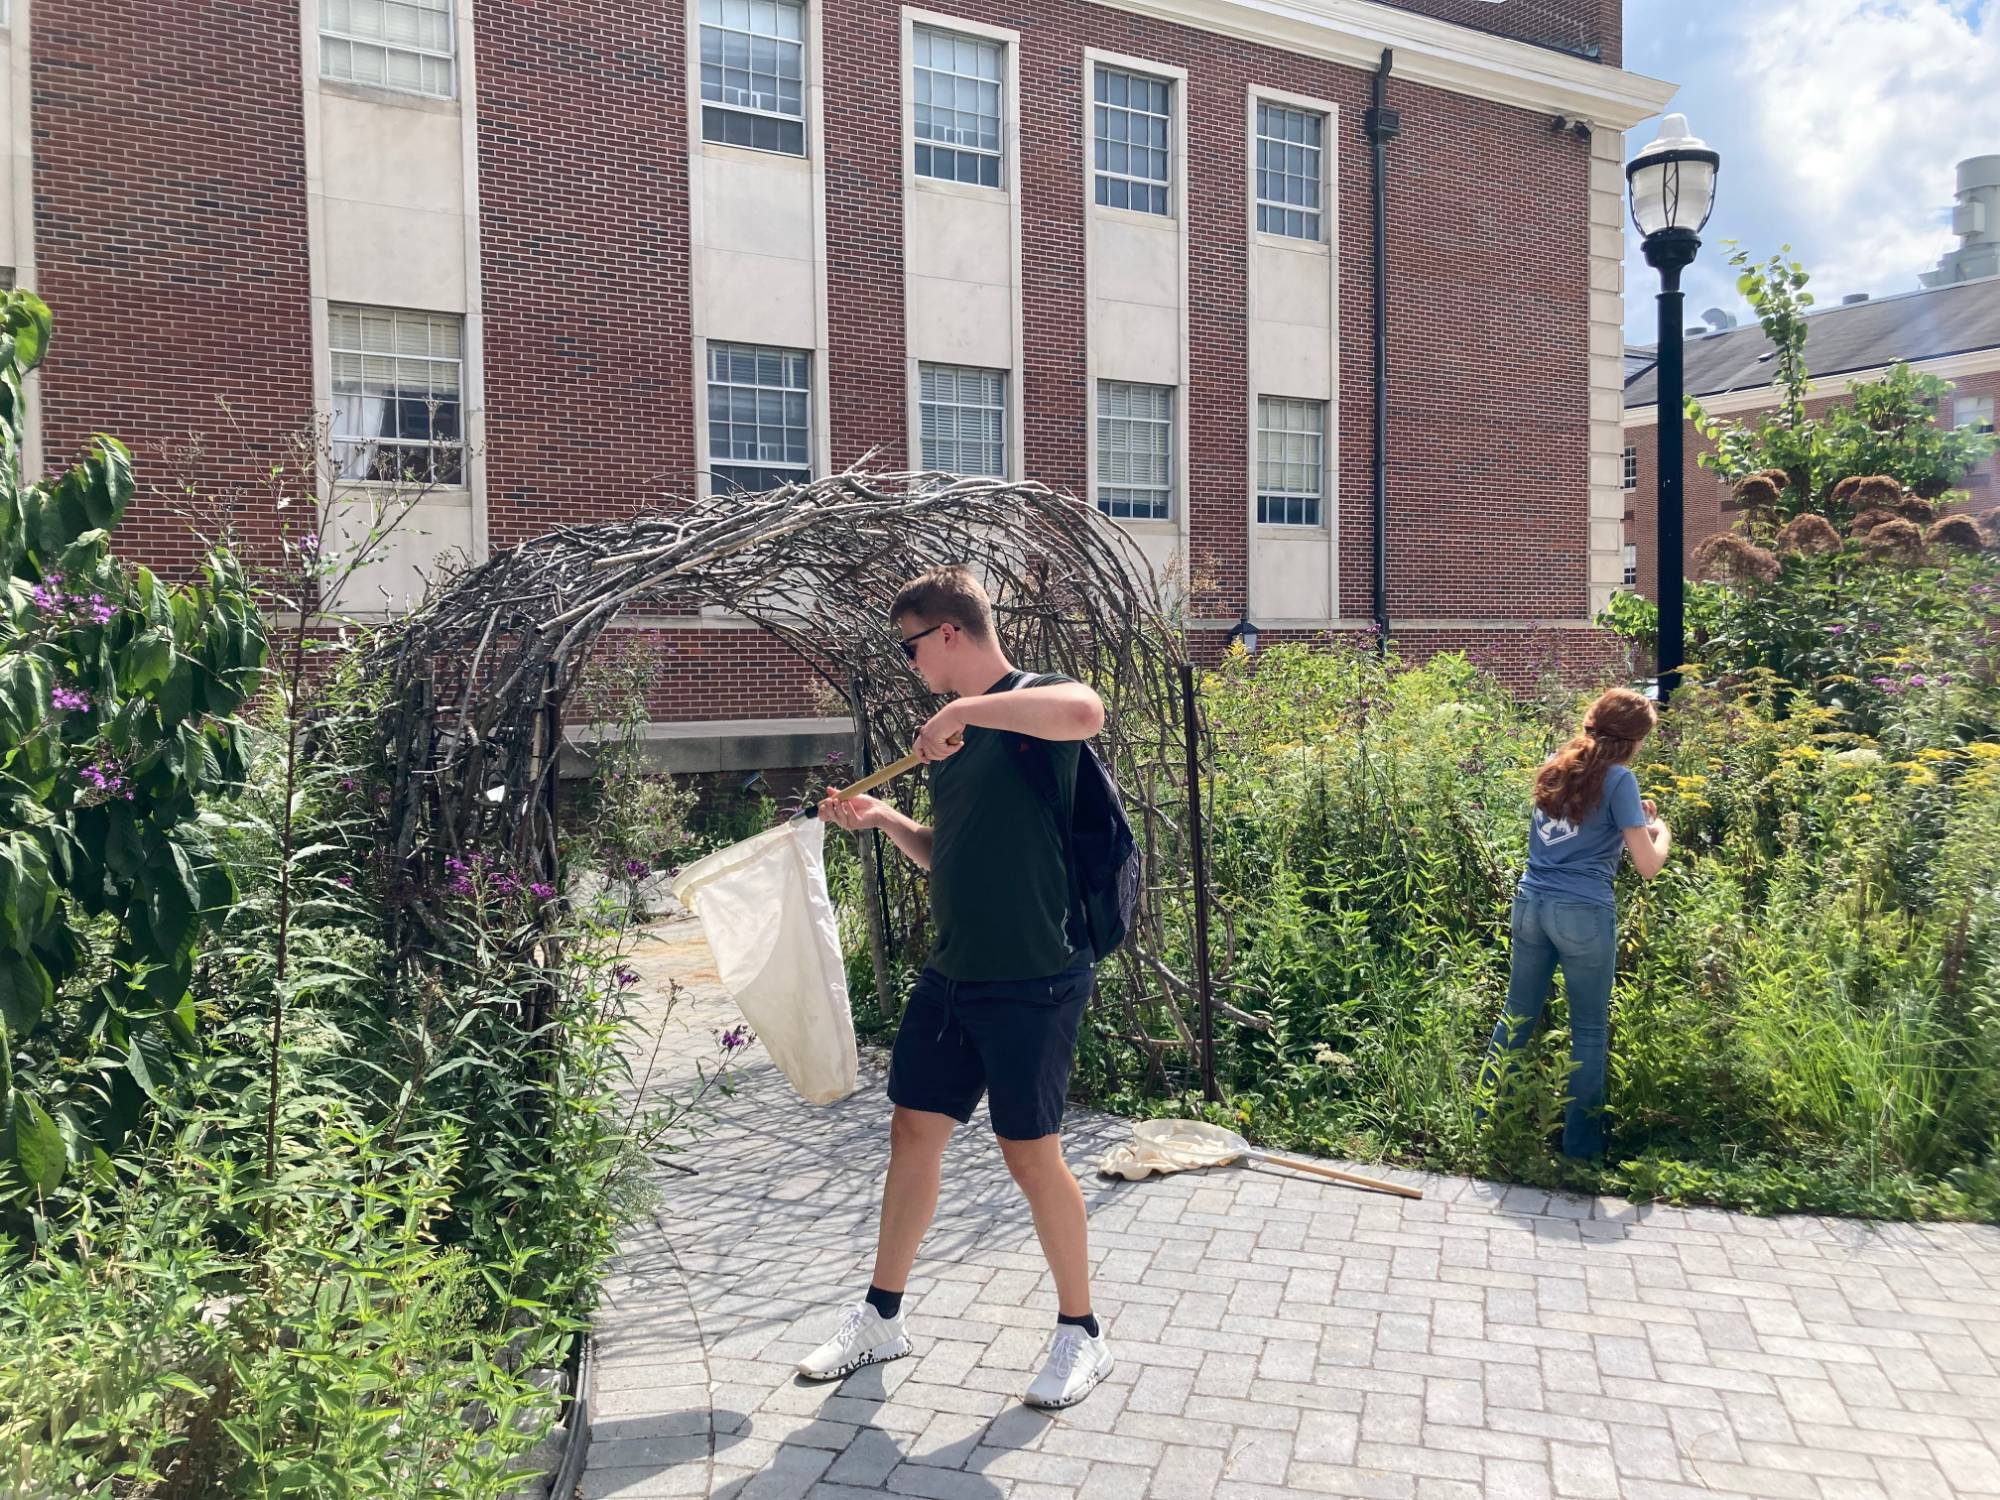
1243 630
1672 188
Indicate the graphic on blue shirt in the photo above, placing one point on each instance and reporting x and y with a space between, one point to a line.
1575 861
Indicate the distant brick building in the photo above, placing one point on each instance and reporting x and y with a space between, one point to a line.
565 259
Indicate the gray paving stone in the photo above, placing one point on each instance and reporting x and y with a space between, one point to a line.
1274 1337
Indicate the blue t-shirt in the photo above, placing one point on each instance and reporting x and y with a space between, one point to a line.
1575 861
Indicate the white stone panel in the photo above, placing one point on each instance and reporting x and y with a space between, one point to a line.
758 299
958 237
1291 576
9 252
398 156
395 257
435 528
961 323
758 202
1130 341
1135 261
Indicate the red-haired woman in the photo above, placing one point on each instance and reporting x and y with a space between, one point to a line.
1587 811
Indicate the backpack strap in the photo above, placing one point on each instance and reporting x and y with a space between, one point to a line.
1038 766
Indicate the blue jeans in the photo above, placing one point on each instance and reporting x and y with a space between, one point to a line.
1582 937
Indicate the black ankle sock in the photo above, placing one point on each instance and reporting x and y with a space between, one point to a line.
1088 1323
888 1304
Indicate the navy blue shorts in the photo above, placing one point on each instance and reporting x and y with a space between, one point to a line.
1013 1040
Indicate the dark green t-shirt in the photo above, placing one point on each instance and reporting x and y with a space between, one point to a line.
999 886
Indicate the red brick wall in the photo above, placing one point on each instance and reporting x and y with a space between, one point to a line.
1703 493
1569 25
1478 313
170 239
164 303
725 674
583 239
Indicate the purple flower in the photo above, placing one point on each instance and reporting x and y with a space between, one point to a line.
623 977
347 783
345 882
69 700
736 1038
1836 630
309 544
637 869
105 776
541 890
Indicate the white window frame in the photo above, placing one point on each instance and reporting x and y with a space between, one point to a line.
1166 508
714 464
999 82
998 408
336 349
449 56
703 104
1314 499
1318 215
1972 411
1630 466
1097 175
1631 562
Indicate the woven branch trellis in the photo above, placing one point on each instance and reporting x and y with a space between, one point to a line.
475 680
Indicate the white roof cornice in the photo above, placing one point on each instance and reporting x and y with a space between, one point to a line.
1437 53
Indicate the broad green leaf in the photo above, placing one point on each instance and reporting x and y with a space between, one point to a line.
123 851
175 698
25 992
38 1145
151 657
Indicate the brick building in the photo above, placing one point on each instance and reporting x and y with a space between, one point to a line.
567 259
1951 329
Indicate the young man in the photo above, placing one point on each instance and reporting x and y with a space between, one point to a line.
996 1009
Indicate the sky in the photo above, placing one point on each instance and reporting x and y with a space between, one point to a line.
1839 123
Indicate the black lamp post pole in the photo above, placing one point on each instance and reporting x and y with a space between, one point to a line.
1670 251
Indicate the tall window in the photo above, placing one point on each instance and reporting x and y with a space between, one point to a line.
1135 450
753 74
396 395
1289 142
759 432
397 44
955 87
1973 411
1291 461
1631 565
1631 467
1131 117
963 414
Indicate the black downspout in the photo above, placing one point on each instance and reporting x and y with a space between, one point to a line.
1382 125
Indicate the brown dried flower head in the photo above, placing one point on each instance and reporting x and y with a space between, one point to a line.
1729 558
1813 536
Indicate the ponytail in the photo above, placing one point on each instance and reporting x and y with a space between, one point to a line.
1571 784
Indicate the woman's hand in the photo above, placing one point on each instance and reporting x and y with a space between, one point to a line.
1650 808
852 813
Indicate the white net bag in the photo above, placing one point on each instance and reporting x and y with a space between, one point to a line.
770 923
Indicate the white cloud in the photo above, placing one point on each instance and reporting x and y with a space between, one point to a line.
1864 107
1839 124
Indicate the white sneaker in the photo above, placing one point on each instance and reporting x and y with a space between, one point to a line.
864 1337
1076 1363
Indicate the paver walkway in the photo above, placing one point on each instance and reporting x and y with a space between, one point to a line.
1275 1335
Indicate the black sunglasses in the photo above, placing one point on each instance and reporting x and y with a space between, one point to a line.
910 641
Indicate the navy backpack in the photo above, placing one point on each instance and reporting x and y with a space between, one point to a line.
1103 858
